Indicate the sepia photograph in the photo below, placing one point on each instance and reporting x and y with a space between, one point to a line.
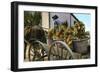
56 36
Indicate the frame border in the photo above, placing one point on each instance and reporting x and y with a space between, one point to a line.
14 35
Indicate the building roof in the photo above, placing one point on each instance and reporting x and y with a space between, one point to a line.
74 16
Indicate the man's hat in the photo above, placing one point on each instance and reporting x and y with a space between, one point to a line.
55 17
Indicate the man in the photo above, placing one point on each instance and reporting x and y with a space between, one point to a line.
56 20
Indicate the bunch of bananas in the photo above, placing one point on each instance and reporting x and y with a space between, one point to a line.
68 37
62 33
79 30
57 33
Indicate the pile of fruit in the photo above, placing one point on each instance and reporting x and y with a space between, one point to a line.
67 34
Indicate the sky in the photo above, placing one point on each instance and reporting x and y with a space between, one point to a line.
85 18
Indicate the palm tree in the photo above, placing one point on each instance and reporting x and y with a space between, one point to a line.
32 18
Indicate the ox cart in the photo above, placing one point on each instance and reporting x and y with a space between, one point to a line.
38 50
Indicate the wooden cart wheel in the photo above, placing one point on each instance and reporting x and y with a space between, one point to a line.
36 51
60 51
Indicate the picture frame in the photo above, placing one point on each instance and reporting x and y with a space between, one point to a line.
21 59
